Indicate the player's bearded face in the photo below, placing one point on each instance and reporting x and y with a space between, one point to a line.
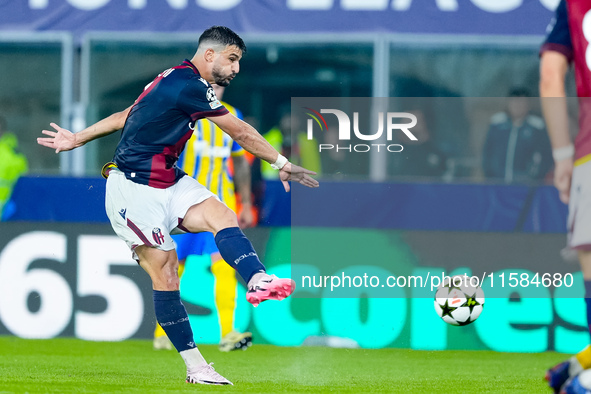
220 77
226 65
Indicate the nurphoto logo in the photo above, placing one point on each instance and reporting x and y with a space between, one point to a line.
392 122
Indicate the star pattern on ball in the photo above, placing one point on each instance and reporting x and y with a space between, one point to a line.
446 310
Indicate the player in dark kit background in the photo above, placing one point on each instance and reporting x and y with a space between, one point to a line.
148 197
568 42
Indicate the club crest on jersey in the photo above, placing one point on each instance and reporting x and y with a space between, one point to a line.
158 236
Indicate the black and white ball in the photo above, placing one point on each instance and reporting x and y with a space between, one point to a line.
458 302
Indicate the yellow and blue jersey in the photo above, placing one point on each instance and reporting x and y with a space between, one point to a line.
207 158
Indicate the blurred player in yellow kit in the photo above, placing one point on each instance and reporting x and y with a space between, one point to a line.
210 156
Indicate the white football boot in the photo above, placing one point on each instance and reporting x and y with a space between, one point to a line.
205 374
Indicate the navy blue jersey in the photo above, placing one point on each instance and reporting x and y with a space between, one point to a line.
570 35
558 33
160 123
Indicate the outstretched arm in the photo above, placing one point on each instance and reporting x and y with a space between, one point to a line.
553 69
250 139
64 140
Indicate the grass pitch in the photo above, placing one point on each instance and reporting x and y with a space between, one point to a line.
76 366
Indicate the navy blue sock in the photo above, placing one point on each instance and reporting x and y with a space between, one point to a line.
588 302
172 316
238 252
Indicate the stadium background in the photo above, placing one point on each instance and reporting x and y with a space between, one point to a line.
64 273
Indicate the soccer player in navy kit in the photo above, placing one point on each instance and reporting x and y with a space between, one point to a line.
148 197
568 41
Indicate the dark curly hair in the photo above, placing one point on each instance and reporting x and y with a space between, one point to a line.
222 35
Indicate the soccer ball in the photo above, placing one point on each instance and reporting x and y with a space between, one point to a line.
457 302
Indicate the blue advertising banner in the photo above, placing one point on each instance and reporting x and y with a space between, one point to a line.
408 206
486 17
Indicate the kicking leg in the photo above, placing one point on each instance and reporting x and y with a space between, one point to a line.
211 215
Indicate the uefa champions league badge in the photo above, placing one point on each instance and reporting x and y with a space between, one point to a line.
212 98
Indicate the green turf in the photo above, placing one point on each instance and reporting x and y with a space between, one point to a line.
75 366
